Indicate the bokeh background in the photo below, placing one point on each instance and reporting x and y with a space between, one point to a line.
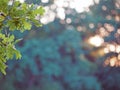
77 48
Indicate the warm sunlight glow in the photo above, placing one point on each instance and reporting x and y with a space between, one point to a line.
96 40
106 50
118 31
118 56
118 48
113 61
108 17
103 32
117 4
109 27
112 47
117 18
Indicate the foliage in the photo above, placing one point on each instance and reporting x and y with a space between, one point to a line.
49 64
15 16
57 58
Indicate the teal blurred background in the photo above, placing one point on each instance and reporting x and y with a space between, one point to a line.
58 55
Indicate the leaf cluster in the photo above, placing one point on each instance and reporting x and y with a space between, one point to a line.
7 50
19 16
15 16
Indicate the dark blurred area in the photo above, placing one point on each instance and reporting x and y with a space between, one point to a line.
77 48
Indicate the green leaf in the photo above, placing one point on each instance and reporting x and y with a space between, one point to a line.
18 55
3 67
18 40
19 16
27 25
11 38
39 10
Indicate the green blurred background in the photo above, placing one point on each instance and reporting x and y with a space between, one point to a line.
63 54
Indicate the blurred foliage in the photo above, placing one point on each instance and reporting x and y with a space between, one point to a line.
57 56
53 61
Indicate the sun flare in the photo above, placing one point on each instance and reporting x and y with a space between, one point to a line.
96 40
